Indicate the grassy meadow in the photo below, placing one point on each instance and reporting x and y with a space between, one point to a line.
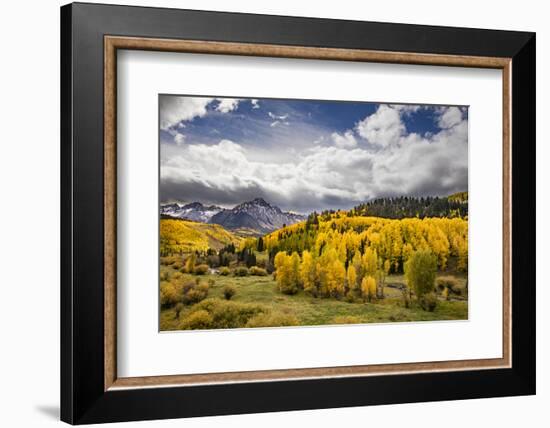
302 308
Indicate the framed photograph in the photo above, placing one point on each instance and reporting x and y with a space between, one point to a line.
266 213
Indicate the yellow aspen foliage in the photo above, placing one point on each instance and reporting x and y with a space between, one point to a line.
283 273
190 263
352 278
370 262
295 269
368 288
387 267
308 271
357 263
335 278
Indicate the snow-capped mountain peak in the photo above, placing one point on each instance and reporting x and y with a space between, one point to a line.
256 214
194 211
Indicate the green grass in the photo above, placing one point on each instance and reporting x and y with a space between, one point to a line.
312 311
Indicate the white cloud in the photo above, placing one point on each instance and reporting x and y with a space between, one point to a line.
316 176
227 105
346 141
255 103
405 108
279 122
174 110
179 139
274 116
383 128
320 177
449 117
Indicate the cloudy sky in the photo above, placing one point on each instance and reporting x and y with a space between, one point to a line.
308 155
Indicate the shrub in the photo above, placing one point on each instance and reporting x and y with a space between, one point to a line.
346 319
350 297
241 271
406 295
177 275
420 272
166 261
228 292
177 265
213 261
178 309
428 301
459 290
190 263
197 320
207 305
225 271
165 276
188 285
200 269
211 282
258 271
273 319
229 314
444 282
195 294
169 293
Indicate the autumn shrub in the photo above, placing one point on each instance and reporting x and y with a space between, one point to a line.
225 271
197 320
178 308
228 292
206 304
165 276
272 319
241 271
428 301
177 275
194 294
406 296
190 263
211 282
444 282
200 269
420 270
228 314
169 293
257 271
351 297
177 265
346 319
168 260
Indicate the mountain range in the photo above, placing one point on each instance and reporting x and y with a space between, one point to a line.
257 215
194 211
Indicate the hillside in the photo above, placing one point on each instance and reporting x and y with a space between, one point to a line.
183 236
394 240
451 206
